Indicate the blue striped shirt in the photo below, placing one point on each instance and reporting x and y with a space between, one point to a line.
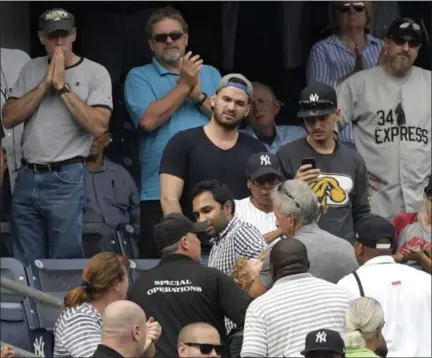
330 59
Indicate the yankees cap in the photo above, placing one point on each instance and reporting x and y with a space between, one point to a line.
55 20
405 27
324 340
373 228
263 163
318 99
227 81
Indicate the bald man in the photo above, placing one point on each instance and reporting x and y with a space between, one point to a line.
199 340
124 331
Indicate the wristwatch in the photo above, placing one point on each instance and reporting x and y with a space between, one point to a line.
201 102
64 89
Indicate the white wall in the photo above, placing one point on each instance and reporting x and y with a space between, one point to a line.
15 25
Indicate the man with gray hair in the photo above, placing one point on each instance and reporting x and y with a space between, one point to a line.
124 332
264 109
297 212
64 100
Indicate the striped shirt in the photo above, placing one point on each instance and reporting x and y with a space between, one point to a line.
238 239
77 331
330 59
246 211
277 322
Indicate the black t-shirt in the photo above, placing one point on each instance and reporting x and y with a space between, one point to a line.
180 291
103 351
192 156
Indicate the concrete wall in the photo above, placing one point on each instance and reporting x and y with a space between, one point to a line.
15 25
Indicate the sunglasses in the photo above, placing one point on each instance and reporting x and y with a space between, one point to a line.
266 180
400 41
357 6
281 189
162 38
206 348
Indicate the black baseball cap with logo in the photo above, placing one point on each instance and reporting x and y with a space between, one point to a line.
264 163
56 20
318 99
173 227
372 229
405 27
324 340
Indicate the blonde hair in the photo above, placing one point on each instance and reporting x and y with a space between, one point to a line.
362 321
334 6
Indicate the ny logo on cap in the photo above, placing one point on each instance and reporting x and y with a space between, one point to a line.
265 160
313 97
56 15
321 337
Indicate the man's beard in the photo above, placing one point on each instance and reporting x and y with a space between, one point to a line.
229 126
171 55
400 68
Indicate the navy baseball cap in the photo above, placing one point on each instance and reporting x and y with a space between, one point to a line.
173 227
324 340
374 228
56 20
260 164
405 27
318 99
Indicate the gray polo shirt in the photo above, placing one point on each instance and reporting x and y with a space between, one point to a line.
111 196
51 134
330 257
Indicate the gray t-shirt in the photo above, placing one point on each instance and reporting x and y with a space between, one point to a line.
51 134
330 257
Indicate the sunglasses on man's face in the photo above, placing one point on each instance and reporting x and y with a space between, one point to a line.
206 348
162 38
401 41
261 181
357 6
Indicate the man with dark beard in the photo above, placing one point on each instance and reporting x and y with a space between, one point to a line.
214 151
111 195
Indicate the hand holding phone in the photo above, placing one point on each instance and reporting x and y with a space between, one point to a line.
308 171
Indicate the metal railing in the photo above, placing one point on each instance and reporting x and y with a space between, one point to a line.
18 351
19 289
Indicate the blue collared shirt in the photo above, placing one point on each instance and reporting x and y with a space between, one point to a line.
284 134
330 59
146 84
111 196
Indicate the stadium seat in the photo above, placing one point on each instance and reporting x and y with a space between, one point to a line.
128 236
56 275
139 266
13 325
99 237
5 239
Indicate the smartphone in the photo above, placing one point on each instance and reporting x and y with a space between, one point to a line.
310 161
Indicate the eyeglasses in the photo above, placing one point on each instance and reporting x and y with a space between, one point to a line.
400 41
205 348
162 38
281 189
357 6
261 181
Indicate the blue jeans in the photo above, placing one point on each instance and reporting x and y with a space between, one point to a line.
47 214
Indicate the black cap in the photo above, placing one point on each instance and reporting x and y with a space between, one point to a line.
373 228
264 163
173 227
55 20
405 27
318 99
324 340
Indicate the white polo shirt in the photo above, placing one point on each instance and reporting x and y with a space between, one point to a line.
405 296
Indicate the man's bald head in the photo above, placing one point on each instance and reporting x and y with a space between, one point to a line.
194 331
120 316
199 340
289 255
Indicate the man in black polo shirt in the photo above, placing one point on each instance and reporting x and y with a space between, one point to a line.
180 291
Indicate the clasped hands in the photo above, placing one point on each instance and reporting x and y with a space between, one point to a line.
55 76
